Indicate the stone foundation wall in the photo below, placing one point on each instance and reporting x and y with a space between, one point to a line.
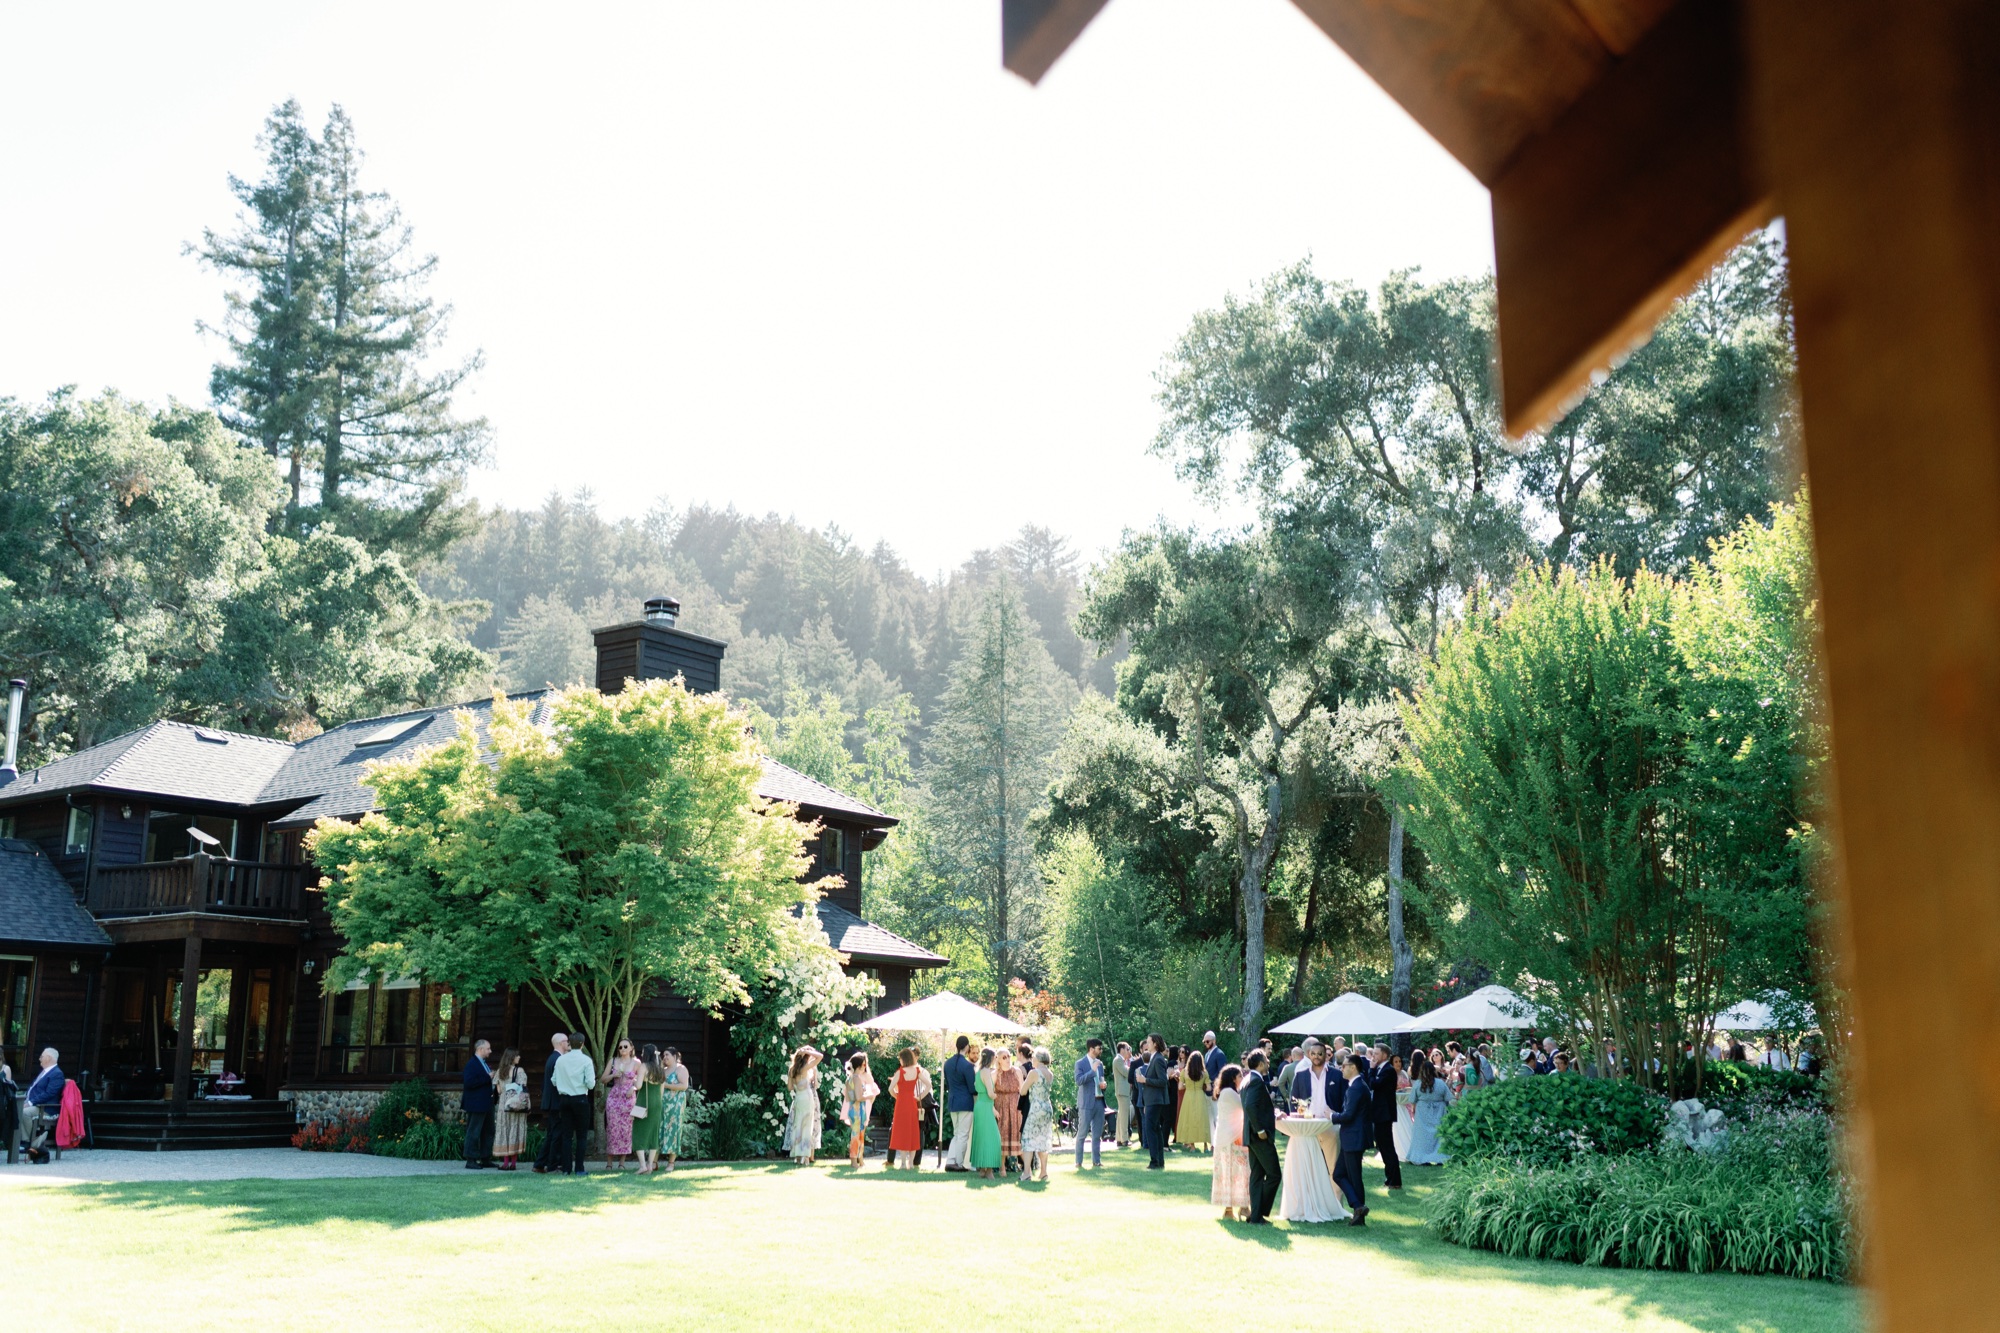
310 1104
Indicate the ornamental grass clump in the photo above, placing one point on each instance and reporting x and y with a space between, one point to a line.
1552 1120
1772 1200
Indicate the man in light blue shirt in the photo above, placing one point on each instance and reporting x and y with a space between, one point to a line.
576 1076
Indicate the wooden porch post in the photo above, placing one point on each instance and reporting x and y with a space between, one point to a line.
184 1044
1882 127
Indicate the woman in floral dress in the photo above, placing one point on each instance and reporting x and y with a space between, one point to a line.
621 1076
1039 1131
510 1109
674 1084
1007 1106
856 1102
803 1126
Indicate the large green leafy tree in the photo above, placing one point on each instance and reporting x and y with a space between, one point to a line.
1607 776
331 337
124 537
141 583
621 849
1334 410
1240 647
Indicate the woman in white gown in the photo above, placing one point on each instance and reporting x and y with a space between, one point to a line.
1229 1169
803 1126
1406 1108
1432 1093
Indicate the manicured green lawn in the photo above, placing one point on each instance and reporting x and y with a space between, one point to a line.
774 1246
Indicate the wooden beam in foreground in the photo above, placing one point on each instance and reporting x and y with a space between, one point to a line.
1035 33
1481 76
1883 130
1602 221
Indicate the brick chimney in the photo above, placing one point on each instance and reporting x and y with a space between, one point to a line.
655 648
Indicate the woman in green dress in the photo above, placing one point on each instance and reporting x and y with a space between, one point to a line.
985 1154
646 1112
673 1103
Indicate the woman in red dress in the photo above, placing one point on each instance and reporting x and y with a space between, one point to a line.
909 1087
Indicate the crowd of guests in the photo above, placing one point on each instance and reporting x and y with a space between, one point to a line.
999 1110
645 1107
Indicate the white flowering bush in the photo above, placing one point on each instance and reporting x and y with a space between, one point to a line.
799 1001
1692 1125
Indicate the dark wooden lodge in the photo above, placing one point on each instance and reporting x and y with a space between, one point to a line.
170 861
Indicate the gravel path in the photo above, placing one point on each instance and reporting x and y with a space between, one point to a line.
105 1164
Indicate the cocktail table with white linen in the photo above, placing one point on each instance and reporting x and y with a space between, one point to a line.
1309 1195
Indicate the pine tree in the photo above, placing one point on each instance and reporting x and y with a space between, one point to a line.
392 454
265 389
329 341
990 753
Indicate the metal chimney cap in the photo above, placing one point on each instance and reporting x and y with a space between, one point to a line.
662 611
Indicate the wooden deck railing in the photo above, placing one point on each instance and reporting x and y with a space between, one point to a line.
198 883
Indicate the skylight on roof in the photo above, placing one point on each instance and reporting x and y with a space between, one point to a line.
395 731
211 734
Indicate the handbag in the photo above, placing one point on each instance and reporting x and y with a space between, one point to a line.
515 1098
638 1110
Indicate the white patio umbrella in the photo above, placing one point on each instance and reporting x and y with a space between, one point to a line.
1352 1012
1755 1016
1493 1008
944 1013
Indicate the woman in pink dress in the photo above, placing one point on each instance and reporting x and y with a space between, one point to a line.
621 1076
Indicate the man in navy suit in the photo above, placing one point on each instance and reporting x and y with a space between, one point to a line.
475 1099
1353 1120
1316 1083
44 1100
960 1092
1090 1100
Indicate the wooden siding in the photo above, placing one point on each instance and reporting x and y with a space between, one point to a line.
60 1000
120 841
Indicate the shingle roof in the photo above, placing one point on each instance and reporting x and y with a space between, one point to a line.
168 759
322 777
329 771
866 942
37 905
783 783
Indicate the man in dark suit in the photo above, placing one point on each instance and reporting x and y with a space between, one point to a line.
1353 1121
475 1099
1382 1098
1151 1082
1260 1138
545 1160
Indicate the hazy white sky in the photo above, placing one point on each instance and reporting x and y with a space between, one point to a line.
823 259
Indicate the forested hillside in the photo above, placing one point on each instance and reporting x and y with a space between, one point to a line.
804 612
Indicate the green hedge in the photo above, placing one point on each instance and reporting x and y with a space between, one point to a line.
1771 1201
732 1129
1552 1118
1744 1091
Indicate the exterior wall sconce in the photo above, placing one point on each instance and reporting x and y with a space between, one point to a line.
309 967
75 966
